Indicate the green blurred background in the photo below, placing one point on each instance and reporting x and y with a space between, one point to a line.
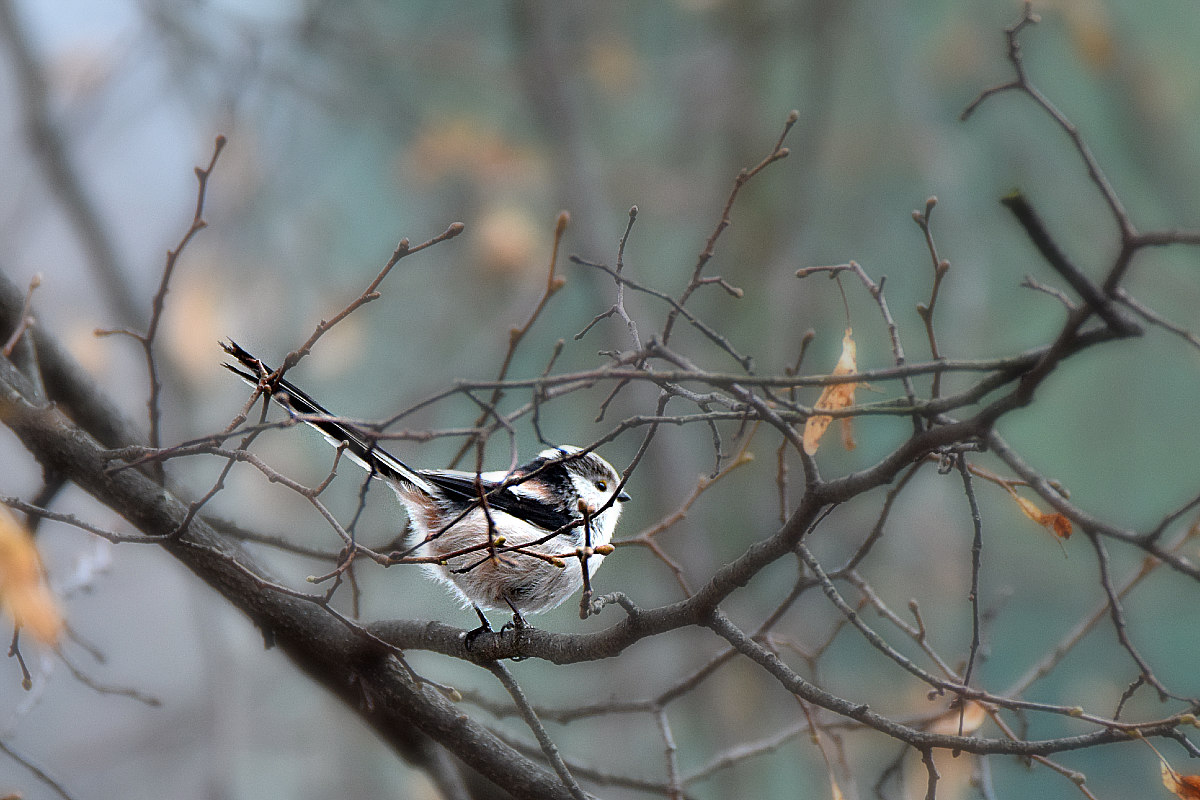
354 124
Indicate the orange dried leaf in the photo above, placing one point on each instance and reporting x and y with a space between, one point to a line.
1186 787
848 434
814 429
1060 525
834 396
24 596
1056 523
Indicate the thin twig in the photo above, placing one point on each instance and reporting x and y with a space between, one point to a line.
940 268
1119 623
26 320
549 749
516 335
403 250
777 153
158 304
674 785
1123 296
1021 82
32 768
976 563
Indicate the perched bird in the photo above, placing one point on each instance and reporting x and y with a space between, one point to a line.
516 539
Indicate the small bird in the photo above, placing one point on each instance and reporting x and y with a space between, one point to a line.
504 539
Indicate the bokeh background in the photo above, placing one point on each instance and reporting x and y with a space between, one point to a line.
353 124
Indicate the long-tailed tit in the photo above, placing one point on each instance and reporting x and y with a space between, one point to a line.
516 539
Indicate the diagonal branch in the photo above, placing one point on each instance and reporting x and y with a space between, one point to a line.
349 662
1058 260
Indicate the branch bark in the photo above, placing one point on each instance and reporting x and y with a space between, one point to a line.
413 718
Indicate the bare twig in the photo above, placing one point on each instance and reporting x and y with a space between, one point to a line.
1092 295
674 785
777 153
1058 294
26 319
976 563
1117 612
516 335
940 268
1021 82
1153 317
618 306
146 340
403 250
646 538
37 772
549 749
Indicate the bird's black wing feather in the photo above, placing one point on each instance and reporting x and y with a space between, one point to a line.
462 489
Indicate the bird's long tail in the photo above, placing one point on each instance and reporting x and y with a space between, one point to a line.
360 447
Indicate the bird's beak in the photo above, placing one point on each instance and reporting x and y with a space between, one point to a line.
623 497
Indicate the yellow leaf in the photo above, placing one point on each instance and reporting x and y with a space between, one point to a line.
24 596
833 397
1186 787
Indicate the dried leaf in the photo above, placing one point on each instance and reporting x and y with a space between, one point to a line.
1060 525
1056 523
24 596
848 434
814 429
1186 787
833 397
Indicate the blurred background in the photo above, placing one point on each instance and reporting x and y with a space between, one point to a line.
354 124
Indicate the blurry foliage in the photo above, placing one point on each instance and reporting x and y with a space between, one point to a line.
353 124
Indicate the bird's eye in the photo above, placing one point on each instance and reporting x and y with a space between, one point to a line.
602 485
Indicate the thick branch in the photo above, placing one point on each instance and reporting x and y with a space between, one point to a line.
347 661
